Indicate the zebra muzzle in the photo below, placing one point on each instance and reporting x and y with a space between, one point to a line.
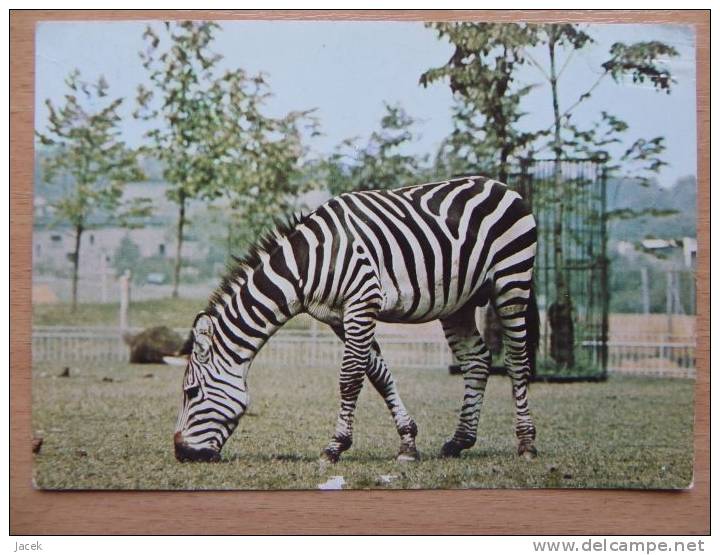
186 453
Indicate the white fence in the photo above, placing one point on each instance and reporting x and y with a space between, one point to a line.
667 357
70 344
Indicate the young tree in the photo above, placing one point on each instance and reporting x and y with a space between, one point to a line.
640 61
84 140
382 162
210 131
266 175
126 256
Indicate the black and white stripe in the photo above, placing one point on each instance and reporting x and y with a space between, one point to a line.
415 254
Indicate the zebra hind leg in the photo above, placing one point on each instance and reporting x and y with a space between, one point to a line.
514 317
383 382
469 349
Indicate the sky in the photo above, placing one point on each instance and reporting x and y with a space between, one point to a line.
348 70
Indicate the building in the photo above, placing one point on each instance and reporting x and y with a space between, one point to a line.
54 242
53 248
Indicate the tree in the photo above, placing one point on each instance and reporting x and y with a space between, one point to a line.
640 61
84 137
483 77
126 256
482 74
381 163
210 131
266 176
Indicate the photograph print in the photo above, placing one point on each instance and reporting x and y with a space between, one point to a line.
273 255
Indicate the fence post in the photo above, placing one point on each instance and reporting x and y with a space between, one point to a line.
103 277
124 300
604 273
669 301
645 290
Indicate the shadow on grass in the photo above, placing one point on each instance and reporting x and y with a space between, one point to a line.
255 458
479 455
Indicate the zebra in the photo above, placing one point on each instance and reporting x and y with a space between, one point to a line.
419 253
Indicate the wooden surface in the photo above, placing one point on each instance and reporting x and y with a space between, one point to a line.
423 512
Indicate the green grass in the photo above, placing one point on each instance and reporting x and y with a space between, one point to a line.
626 432
174 313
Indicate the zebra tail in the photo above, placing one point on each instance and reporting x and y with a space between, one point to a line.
532 324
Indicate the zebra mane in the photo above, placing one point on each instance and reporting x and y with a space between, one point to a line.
239 265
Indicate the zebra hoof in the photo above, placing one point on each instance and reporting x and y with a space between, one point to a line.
451 449
329 457
527 451
408 454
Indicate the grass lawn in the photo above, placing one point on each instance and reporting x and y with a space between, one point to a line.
111 426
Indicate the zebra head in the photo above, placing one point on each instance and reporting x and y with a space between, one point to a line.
214 394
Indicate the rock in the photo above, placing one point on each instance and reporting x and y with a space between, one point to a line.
36 444
109 380
151 345
65 373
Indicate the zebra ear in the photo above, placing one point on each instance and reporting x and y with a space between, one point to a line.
203 326
176 360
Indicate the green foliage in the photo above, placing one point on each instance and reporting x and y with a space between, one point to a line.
640 62
626 285
482 76
651 210
382 162
151 265
628 213
83 138
186 142
212 135
126 256
83 141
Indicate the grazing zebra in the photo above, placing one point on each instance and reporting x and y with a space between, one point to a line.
415 254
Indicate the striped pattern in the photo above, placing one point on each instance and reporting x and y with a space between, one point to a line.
415 254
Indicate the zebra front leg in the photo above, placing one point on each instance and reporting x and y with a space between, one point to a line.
383 382
473 356
359 331
513 315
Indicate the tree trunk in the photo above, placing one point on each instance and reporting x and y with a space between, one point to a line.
229 241
503 173
76 266
178 251
562 338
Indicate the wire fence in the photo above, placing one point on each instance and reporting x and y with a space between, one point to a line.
636 355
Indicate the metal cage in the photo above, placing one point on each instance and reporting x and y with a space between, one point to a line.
580 207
